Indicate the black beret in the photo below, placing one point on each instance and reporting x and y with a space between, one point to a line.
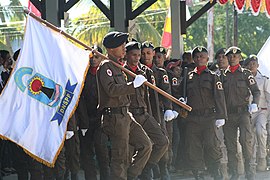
198 49
220 51
131 39
95 47
233 50
147 44
252 57
160 50
133 45
114 39
186 53
173 63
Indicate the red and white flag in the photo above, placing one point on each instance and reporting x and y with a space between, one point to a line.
33 9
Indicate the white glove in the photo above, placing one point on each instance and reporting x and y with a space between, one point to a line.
175 114
84 131
139 80
168 115
69 134
182 100
252 108
220 122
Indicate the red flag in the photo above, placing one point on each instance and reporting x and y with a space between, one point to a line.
267 4
255 6
33 9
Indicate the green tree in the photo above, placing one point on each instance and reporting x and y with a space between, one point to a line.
91 27
11 28
253 31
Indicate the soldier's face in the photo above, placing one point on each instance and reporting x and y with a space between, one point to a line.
201 58
222 61
253 66
177 70
95 60
133 57
159 59
147 55
118 52
234 59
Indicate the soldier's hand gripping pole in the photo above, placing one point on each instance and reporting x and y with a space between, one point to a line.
170 97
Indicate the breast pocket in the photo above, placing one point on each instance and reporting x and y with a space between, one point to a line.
120 79
242 90
207 91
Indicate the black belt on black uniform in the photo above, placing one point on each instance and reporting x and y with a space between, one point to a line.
137 111
237 109
115 110
203 112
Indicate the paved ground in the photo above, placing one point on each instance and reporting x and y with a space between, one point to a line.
175 176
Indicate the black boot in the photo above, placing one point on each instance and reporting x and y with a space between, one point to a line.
235 175
215 171
147 172
164 172
217 174
156 172
250 172
75 176
198 175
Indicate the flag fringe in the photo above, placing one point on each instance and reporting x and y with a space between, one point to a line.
51 165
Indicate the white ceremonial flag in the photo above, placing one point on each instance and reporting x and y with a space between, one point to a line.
42 92
264 58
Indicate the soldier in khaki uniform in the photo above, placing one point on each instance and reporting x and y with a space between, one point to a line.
259 118
159 60
238 83
72 153
92 140
116 121
206 97
164 105
174 72
140 106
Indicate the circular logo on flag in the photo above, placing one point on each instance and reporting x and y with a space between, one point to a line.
36 85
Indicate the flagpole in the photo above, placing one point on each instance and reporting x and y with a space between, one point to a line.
170 97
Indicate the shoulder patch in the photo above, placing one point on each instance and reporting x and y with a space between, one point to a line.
153 80
219 85
109 72
165 79
251 80
190 75
174 81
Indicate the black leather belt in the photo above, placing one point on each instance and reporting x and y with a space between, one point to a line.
237 109
115 110
137 111
202 112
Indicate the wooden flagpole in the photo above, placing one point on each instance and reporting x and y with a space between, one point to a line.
170 97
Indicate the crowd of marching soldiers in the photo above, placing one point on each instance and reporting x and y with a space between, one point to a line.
124 130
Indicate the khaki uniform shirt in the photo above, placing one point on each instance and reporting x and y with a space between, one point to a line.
237 88
162 81
141 97
113 89
205 94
